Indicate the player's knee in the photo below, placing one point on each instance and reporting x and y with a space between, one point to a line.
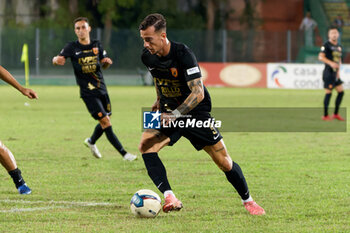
226 167
4 152
226 164
141 147
147 146
105 122
144 146
2 148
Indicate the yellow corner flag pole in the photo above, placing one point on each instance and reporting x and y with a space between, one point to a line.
25 59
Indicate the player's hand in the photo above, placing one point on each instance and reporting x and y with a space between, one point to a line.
166 118
156 106
29 93
338 75
59 60
106 62
334 65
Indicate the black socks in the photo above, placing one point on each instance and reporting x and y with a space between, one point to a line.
326 100
17 177
338 101
236 178
112 138
156 171
96 134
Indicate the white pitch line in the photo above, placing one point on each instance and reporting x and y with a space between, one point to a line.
56 205
73 203
14 210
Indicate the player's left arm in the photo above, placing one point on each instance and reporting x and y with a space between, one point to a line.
105 60
340 63
7 77
338 71
196 96
194 83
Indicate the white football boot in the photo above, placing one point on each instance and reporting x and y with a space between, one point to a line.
95 152
129 157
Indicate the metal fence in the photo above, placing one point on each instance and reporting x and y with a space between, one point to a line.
126 45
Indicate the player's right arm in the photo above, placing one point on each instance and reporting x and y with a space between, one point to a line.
156 105
7 77
322 57
58 60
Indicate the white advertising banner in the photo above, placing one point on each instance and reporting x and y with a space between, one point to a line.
301 76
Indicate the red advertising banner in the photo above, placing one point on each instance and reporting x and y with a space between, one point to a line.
234 74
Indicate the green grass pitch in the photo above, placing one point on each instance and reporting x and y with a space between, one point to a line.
301 179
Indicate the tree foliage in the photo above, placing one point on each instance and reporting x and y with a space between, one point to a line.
126 14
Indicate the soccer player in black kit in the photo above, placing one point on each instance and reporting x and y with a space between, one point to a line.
87 57
180 91
331 53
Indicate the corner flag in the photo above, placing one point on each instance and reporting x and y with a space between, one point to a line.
24 58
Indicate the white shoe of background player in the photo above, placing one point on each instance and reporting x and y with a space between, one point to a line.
95 152
129 157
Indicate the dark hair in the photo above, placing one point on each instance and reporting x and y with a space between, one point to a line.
332 28
156 20
81 19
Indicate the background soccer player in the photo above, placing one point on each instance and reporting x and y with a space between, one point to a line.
180 91
331 53
87 56
6 157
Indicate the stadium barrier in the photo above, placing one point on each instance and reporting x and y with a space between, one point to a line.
270 75
234 74
301 76
246 75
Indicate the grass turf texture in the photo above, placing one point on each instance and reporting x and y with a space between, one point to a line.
301 179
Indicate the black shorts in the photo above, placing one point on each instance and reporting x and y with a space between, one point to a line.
98 106
199 137
330 79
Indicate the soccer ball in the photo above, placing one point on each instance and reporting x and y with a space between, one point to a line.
145 204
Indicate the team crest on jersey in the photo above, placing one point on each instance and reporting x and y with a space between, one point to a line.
95 50
174 72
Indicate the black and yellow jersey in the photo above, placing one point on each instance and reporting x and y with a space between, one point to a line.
333 53
171 74
87 68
